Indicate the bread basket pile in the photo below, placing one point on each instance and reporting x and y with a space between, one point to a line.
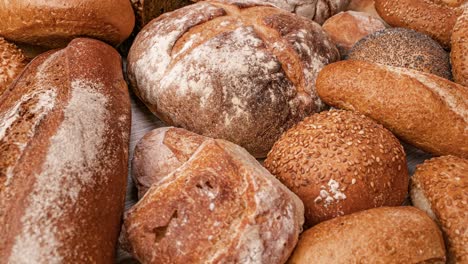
234 131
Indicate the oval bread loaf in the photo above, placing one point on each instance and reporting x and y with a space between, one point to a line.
219 206
340 162
390 235
459 52
54 23
12 62
440 188
64 133
244 72
423 109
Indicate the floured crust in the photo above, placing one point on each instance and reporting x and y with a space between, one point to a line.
159 153
64 133
12 62
401 47
459 52
54 23
340 162
220 206
381 235
238 71
427 16
425 110
443 182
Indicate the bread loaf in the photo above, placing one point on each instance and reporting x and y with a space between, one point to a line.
347 28
366 6
425 110
64 132
160 152
459 53
244 72
440 188
54 23
405 48
427 16
12 62
219 206
340 162
147 10
381 235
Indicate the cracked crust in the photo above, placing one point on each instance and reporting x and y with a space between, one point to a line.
241 71
218 206
440 187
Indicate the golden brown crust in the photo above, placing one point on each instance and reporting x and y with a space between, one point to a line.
443 182
426 16
382 235
244 72
12 62
64 132
160 152
220 206
459 53
54 23
147 10
423 109
347 28
401 47
340 162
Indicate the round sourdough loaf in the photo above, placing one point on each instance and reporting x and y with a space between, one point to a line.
400 47
440 188
219 206
12 62
340 162
435 18
390 235
244 72
54 23
159 153
459 52
347 28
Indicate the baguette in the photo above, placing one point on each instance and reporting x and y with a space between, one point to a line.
64 133
425 110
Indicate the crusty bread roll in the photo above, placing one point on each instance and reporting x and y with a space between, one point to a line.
423 109
244 72
347 28
405 48
12 62
147 10
160 152
340 162
219 206
381 235
366 6
316 10
427 16
459 53
54 23
440 187
64 132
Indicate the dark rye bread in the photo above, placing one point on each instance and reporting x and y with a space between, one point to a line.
244 72
422 109
431 17
400 47
12 62
219 206
340 162
440 188
64 133
54 23
390 235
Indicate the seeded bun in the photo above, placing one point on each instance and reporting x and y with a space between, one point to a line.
400 47
459 52
12 62
381 235
340 162
440 188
